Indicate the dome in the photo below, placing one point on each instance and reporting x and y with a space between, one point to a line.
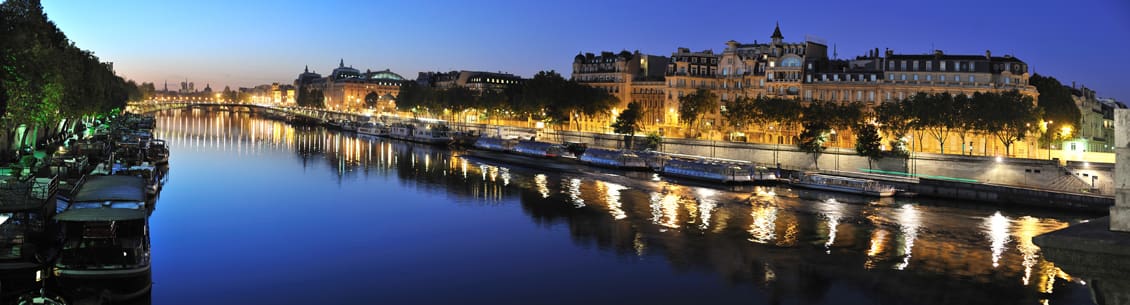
385 75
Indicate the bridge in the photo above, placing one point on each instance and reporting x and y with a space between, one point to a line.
316 114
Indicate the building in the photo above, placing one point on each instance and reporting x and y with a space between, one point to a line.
348 89
804 71
478 81
1095 129
627 76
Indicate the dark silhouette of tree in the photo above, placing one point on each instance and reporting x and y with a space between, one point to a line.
693 106
627 123
371 100
868 142
812 139
1056 103
896 123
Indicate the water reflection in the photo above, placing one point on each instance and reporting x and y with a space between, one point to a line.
790 245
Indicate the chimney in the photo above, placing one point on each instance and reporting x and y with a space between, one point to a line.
988 55
1072 84
890 52
876 52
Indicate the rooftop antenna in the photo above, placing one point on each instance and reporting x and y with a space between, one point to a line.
835 55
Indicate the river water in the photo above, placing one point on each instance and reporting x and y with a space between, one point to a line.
257 211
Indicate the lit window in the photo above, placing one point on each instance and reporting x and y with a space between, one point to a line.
916 77
902 77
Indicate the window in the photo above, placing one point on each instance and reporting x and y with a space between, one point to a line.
903 64
903 77
871 96
929 65
916 77
929 77
872 77
858 96
915 65
808 94
762 84
890 65
891 76
943 65
888 95
1007 80
971 79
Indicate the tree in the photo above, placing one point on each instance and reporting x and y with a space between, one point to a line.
693 106
937 116
868 142
654 140
1008 116
627 123
371 100
1056 102
739 112
896 123
812 139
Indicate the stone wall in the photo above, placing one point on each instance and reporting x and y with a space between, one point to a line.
1120 213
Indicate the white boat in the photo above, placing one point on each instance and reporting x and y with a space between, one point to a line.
714 171
373 129
613 158
845 185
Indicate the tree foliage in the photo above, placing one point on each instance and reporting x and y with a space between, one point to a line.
868 142
693 106
44 77
628 122
1056 103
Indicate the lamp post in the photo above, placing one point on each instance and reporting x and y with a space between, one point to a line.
834 139
1047 124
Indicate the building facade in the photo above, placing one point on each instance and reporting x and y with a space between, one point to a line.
625 75
348 89
478 81
803 71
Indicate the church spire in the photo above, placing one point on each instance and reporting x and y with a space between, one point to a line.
307 70
341 64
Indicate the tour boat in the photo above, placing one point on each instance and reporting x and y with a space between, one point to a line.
495 144
613 158
105 231
706 170
845 185
373 129
541 149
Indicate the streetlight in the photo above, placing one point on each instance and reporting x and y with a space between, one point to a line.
837 154
1046 133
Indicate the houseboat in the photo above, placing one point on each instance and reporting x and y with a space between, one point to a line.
431 133
844 184
613 158
713 171
372 129
26 207
158 152
105 231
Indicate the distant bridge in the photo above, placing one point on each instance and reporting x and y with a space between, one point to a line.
308 112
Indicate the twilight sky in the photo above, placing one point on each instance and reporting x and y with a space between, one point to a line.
246 43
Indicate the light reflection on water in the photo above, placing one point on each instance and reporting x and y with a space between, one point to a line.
762 236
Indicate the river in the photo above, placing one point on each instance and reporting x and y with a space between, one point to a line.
258 211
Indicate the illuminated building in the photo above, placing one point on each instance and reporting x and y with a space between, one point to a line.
627 76
478 81
348 89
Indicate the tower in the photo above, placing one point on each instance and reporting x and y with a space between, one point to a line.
777 37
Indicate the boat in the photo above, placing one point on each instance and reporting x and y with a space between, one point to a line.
372 129
153 177
158 152
105 230
707 170
431 133
541 149
619 159
495 144
26 207
845 185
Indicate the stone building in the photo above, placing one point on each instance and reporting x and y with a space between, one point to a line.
625 75
478 81
348 89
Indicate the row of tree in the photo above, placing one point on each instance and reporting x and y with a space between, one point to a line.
547 97
44 77
1007 116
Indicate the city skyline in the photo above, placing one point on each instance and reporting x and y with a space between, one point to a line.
247 44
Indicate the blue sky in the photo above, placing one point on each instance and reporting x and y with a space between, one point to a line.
245 43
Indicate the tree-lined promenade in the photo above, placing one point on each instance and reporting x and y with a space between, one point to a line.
46 82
